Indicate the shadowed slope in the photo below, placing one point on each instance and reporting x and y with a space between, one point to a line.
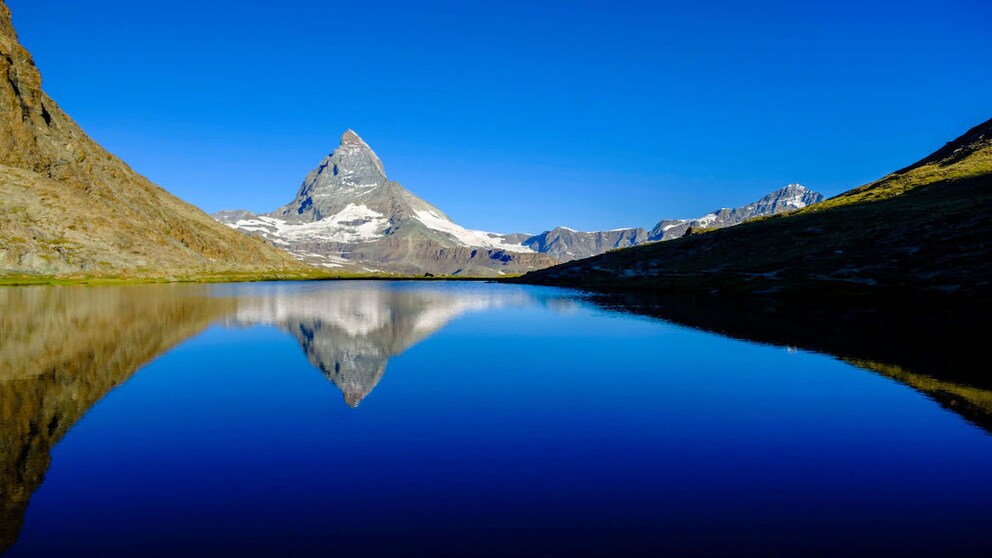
70 208
930 347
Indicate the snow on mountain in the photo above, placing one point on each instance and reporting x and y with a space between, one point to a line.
787 198
465 236
354 223
568 244
347 214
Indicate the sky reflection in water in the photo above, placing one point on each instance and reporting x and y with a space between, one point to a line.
375 418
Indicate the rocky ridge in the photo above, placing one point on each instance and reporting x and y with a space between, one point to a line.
566 244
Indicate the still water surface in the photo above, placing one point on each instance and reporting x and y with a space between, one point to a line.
457 419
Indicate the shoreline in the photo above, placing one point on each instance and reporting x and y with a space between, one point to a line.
29 280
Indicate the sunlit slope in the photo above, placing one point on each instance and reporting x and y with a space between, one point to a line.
69 208
969 156
926 228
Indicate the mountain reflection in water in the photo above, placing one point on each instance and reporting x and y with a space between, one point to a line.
351 335
63 348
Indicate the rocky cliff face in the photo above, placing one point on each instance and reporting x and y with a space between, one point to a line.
68 207
348 215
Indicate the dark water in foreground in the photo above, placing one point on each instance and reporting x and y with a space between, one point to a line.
466 419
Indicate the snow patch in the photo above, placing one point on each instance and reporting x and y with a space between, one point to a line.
795 201
480 239
354 223
706 220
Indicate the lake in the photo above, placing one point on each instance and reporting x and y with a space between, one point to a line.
363 418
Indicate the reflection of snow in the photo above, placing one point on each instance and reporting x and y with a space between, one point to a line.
364 310
358 313
350 331
434 316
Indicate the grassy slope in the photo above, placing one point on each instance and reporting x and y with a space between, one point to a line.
924 228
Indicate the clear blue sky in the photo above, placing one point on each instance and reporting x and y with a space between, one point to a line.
519 116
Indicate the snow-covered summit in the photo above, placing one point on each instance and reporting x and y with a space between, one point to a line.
347 213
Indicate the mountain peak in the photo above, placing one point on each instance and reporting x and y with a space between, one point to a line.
350 173
352 139
790 196
787 198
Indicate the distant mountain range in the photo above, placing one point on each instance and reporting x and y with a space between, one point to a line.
783 200
348 216
566 244
924 229
69 208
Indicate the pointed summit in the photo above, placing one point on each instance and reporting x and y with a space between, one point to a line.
354 162
350 138
353 171
787 198
348 215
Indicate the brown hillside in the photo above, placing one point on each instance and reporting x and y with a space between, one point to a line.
70 208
